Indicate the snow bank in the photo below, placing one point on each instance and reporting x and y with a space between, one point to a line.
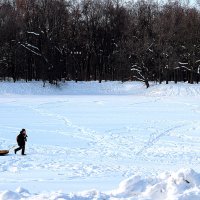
172 89
96 88
71 88
181 185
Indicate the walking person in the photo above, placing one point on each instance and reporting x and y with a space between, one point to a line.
21 140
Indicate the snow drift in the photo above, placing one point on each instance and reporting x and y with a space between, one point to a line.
181 185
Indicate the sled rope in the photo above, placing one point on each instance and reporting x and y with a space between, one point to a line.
12 147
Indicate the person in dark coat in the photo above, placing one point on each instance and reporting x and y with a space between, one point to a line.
21 140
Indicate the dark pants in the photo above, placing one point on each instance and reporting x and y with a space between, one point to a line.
19 148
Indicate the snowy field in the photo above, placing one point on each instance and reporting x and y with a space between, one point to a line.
101 141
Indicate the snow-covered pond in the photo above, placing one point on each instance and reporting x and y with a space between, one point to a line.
101 141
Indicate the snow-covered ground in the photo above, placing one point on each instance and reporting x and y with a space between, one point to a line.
101 141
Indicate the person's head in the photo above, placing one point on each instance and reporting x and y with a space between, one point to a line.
23 131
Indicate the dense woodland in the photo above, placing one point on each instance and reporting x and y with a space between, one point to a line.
54 40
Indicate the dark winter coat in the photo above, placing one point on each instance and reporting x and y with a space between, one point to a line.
21 139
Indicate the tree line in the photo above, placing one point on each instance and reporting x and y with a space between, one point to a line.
83 40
